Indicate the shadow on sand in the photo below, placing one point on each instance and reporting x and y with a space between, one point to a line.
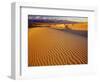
77 32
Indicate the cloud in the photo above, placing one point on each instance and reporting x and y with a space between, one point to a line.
70 18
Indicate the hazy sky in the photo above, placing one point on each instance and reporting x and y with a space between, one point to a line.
76 19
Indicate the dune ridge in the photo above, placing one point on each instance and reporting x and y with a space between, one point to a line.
47 46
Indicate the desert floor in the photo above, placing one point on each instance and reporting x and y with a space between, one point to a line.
48 46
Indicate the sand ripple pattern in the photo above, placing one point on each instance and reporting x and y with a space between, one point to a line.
48 46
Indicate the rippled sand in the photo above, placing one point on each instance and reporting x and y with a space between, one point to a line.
47 46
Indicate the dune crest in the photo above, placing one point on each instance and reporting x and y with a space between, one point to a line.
47 46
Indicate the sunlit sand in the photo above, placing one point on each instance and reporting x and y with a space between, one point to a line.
50 46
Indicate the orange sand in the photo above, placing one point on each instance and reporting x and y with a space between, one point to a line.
47 46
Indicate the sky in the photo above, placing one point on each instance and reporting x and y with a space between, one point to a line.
70 18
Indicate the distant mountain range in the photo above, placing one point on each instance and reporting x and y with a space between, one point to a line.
30 21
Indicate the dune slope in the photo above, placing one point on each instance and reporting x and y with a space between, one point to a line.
47 46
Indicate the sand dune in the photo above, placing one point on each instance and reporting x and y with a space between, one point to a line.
47 46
